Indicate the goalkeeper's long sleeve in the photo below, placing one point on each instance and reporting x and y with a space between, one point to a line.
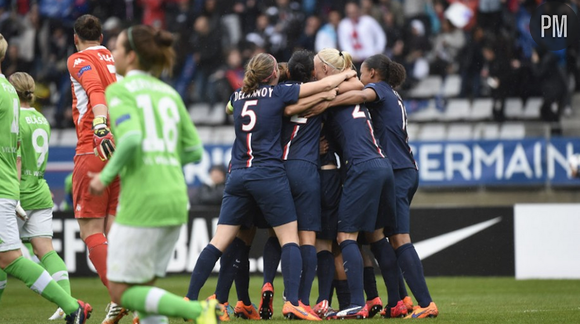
127 145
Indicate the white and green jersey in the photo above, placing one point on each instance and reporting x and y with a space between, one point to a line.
33 152
153 189
9 111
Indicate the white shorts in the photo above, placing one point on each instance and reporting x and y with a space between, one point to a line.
9 238
39 224
137 255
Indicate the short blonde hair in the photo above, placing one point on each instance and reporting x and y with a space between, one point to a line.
336 59
24 85
3 47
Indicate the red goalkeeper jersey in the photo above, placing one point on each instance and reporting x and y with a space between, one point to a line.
91 71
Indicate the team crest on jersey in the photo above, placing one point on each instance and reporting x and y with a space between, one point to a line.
83 70
78 61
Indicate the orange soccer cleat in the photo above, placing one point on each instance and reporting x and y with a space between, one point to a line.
422 312
246 311
266 310
298 312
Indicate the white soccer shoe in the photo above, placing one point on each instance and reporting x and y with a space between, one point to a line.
114 313
58 315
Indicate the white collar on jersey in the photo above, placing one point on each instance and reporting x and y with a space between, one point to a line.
98 47
2 75
136 72
27 108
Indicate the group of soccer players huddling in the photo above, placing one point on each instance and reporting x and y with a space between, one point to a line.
319 158
295 124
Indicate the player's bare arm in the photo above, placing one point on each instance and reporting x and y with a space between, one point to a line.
309 102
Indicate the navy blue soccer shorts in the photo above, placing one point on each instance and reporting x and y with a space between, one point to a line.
305 186
386 217
266 187
361 195
406 183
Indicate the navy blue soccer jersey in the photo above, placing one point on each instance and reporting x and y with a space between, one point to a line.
301 137
390 122
258 124
352 129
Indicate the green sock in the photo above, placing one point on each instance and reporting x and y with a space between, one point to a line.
3 281
37 279
153 300
57 269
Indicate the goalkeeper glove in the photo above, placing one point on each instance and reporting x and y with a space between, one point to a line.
102 138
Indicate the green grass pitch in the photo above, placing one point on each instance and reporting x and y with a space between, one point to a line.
462 300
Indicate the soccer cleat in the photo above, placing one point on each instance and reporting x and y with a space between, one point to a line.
374 306
225 316
297 312
266 310
246 312
408 303
81 315
356 312
58 315
400 310
321 308
135 317
308 309
211 311
422 312
114 313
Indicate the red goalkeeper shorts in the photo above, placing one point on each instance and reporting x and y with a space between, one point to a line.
87 205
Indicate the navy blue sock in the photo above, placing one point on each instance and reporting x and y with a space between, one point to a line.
342 293
203 267
291 269
402 287
353 266
271 254
387 260
370 283
325 272
413 272
229 265
243 276
308 253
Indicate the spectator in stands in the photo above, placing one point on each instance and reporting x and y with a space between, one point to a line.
327 36
55 71
265 35
153 13
496 74
288 21
549 67
248 11
489 15
471 63
212 193
207 54
393 9
446 46
360 35
308 37
13 63
413 55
